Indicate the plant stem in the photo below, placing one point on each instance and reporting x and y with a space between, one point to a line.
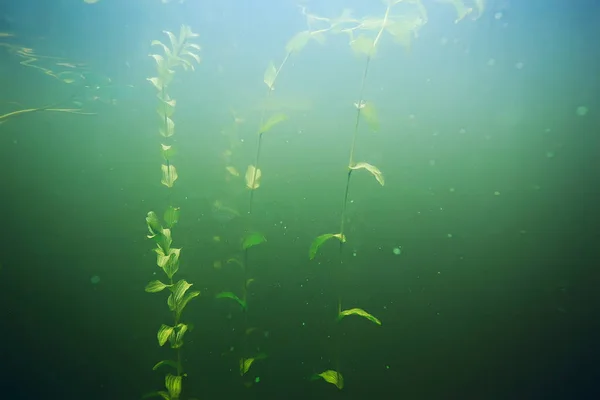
348 176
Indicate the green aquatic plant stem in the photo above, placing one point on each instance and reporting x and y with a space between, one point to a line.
348 178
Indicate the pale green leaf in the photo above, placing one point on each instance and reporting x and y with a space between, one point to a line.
173 385
372 169
363 45
169 363
185 299
169 175
333 377
171 265
171 216
179 290
361 313
166 108
153 223
369 112
319 240
164 333
252 239
230 295
271 122
155 286
297 43
270 75
177 338
167 152
167 128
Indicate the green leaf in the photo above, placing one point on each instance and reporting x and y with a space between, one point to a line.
252 239
185 299
167 151
297 43
333 377
363 45
361 313
246 363
173 385
271 122
167 128
155 286
171 264
370 113
319 240
177 338
372 169
179 290
169 175
153 224
171 216
164 333
270 75
230 295
169 363
166 109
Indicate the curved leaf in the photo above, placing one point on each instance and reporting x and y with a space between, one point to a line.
156 286
164 333
253 176
230 295
319 240
171 216
372 169
173 385
185 299
333 377
252 239
177 338
271 122
297 43
169 175
153 224
361 313
179 290
169 363
370 113
270 75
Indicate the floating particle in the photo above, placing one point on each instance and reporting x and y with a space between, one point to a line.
582 110
491 62
397 250
449 236
550 154
452 190
519 65
462 130
432 163
496 193
95 280
498 15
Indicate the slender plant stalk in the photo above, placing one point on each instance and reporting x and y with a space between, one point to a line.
348 177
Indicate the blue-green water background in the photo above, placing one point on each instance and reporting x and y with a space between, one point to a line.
491 193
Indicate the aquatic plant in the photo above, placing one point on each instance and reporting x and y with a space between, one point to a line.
365 35
252 179
181 53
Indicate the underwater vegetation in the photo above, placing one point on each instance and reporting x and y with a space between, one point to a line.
180 53
400 21
82 84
